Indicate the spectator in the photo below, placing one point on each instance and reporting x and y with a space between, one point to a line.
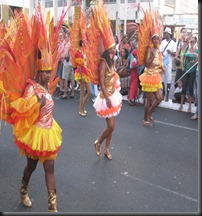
189 65
179 55
178 92
123 43
133 79
195 116
122 69
167 46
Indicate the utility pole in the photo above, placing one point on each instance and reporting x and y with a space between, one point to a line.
138 12
55 11
118 21
125 15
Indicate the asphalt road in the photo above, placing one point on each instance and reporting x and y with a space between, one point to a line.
153 170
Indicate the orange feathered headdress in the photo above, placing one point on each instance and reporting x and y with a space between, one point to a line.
77 32
148 28
155 28
103 24
44 61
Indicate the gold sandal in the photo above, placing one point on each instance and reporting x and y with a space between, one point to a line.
151 119
97 148
107 154
82 114
147 123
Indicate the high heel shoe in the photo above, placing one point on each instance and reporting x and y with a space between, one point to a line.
24 195
52 201
97 148
82 114
147 123
151 119
107 154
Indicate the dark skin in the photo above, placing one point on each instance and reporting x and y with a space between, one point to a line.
43 79
107 133
153 98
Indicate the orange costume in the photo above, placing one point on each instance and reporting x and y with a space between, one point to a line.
151 80
36 133
82 71
111 82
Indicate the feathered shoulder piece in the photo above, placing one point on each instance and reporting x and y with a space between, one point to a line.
147 29
19 48
93 52
100 38
77 32
103 25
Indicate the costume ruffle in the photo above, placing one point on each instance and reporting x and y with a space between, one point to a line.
85 74
40 143
100 105
150 83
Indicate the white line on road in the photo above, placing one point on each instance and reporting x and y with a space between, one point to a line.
174 125
160 187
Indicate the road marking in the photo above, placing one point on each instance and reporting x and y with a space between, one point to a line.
174 125
160 187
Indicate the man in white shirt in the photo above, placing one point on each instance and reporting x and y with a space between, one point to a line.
167 45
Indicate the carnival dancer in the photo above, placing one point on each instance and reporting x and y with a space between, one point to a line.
150 56
109 100
78 56
27 103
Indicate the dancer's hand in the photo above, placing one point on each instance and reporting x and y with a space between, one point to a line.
41 100
109 103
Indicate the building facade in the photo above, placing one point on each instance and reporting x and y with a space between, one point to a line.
174 13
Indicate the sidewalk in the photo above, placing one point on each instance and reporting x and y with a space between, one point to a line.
170 105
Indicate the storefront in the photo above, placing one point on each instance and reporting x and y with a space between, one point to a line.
176 22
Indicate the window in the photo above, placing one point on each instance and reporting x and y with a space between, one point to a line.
62 3
110 1
75 3
170 2
129 1
48 3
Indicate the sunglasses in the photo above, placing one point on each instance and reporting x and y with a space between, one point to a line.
192 42
185 41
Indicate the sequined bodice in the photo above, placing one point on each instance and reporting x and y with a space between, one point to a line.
109 82
45 117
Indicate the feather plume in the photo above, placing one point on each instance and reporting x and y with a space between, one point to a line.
19 46
92 53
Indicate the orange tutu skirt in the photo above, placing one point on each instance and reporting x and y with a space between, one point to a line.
40 143
150 83
77 75
100 104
